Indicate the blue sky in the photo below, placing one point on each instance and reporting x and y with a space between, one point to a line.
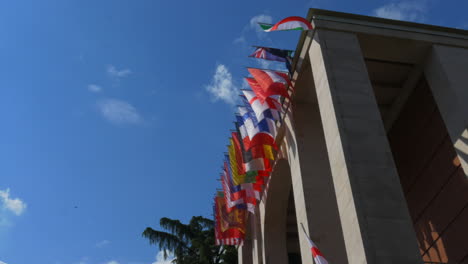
116 113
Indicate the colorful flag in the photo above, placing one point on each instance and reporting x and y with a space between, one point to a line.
270 83
235 219
259 133
239 176
229 227
289 23
252 175
237 193
233 198
316 254
269 108
272 54
255 152
217 228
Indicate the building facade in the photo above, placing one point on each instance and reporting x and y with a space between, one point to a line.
374 149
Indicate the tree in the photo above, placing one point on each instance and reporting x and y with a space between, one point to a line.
192 243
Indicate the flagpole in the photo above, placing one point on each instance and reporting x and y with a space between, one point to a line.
270 48
303 229
266 60
265 69
266 24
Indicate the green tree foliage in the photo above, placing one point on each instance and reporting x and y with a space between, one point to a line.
192 243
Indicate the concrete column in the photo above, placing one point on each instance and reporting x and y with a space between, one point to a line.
276 205
257 238
262 211
314 193
244 252
446 73
376 224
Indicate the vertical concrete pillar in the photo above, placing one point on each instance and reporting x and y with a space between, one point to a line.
244 252
257 238
261 209
446 73
314 194
374 216
276 205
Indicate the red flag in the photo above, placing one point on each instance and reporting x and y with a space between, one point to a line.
229 227
269 83
316 254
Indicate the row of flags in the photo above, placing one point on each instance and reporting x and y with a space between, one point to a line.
252 148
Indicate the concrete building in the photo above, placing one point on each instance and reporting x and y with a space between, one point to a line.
374 150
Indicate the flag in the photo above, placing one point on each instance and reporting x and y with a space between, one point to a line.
316 254
259 133
270 83
217 227
272 54
289 23
238 175
235 219
259 151
229 226
252 176
269 108
233 199
237 192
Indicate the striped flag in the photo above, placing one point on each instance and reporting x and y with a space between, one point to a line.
233 196
316 254
269 83
238 192
260 91
254 177
289 23
270 108
229 226
255 152
272 54
239 176
259 133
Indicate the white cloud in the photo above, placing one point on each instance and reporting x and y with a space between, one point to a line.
1 262
253 26
112 262
94 88
222 86
160 258
119 112
102 243
113 72
262 18
17 206
240 39
84 260
405 10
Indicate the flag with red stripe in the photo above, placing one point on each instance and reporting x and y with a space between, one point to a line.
289 23
270 107
316 253
269 83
